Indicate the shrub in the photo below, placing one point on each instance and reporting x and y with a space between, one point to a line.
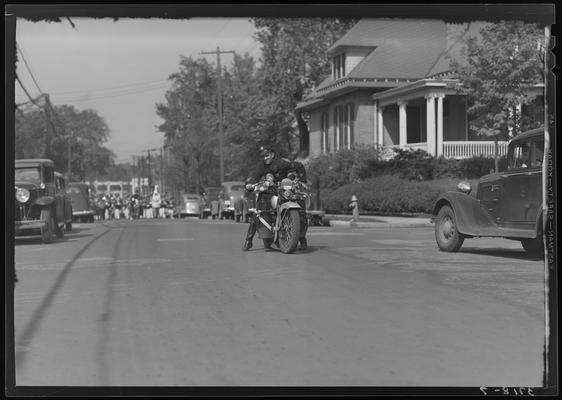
388 194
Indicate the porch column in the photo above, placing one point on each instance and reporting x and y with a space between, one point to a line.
402 124
380 128
430 117
440 98
375 123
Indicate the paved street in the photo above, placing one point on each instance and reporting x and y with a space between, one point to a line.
178 303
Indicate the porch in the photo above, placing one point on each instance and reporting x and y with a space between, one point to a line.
463 149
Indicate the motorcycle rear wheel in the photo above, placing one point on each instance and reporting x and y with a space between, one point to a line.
289 231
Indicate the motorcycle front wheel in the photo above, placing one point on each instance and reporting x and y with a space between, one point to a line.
289 231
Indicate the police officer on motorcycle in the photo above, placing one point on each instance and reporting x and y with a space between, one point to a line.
279 168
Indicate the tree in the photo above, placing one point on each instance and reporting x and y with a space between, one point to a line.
243 107
82 132
294 62
190 122
497 74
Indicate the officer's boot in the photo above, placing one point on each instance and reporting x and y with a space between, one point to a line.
250 235
303 244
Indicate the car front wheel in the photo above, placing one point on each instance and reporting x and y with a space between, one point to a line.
446 234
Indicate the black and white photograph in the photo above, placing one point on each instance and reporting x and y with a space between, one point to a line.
280 200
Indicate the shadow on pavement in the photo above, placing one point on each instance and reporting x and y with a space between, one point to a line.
504 253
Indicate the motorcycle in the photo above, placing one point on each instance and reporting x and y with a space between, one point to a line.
281 213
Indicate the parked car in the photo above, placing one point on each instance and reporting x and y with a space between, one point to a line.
82 198
505 204
190 205
41 206
232 203
210 206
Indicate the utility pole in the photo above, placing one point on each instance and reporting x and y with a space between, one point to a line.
219 95
69 166
149 170
162 189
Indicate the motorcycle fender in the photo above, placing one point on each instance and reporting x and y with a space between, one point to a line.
471 218
288 205
44 200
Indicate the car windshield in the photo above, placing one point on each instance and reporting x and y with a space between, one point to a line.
213 192
519 156
237 188
73 190
28 175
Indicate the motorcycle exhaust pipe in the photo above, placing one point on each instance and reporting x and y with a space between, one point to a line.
265 223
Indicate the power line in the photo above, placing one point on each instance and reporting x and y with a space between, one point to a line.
28 68
31 99
112 95
130 85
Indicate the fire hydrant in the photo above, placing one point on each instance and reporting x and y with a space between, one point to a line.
354 205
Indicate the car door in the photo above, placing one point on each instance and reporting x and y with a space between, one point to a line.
522 196
490 194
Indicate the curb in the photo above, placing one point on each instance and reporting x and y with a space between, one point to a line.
405 224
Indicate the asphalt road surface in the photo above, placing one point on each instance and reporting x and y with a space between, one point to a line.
178 303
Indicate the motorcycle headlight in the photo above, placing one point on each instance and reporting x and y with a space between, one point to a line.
22 195
274 200
286 184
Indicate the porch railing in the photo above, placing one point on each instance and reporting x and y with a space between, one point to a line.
471 149
417 146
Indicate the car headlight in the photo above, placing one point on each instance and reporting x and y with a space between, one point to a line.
464 187
22 195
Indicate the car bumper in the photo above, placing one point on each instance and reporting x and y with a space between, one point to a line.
85 213
22 226
189 212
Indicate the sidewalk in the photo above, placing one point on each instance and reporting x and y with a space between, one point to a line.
378 221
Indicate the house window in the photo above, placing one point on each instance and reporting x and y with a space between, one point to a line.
338 66
339 128
324 143
349 124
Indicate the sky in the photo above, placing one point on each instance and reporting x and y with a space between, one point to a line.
120 68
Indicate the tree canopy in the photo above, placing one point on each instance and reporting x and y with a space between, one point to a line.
48 132
499 72
294 62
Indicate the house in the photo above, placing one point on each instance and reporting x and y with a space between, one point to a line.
391 85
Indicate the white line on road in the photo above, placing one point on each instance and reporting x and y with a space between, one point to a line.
314 233
172 239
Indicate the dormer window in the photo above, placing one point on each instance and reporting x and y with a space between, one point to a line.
338 66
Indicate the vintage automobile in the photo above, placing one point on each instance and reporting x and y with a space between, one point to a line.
190 205
41 204
210 206
505 204
82 198
232 202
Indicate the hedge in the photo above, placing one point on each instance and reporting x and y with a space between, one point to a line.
353 166
388 194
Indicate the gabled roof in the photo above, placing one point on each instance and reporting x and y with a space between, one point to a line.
402 51
405 49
